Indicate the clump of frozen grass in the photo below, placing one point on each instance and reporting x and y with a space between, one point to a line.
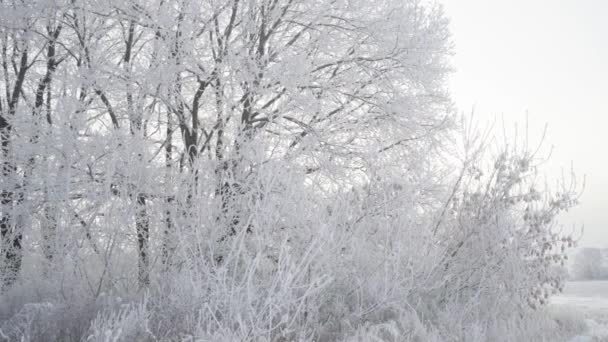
122 323
381 332
549 324
570 321
33 322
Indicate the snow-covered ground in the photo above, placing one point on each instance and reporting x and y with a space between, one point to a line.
590 299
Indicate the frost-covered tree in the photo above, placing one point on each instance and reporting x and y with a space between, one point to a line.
254 170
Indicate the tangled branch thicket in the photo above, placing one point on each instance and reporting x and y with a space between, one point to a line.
258 170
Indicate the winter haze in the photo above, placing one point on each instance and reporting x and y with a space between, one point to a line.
545 61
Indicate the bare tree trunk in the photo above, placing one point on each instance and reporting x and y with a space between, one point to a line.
143 236
168 247
142 221
10 231
49 225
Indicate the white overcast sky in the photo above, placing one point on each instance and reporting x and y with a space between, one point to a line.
549 59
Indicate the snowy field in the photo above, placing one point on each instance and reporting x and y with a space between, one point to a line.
590 299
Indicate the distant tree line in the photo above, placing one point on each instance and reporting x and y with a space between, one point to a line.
589 264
